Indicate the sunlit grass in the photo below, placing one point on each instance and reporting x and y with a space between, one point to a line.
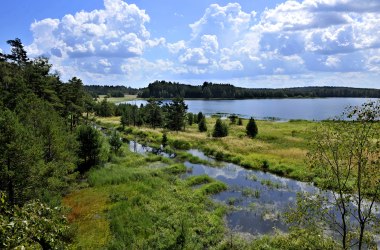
283 145
131 205
118 99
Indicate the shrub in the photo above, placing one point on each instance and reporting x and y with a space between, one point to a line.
220 129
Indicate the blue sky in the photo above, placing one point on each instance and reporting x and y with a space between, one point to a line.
247 43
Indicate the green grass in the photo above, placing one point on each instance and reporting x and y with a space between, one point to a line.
118 99
198 180
131 205
280 147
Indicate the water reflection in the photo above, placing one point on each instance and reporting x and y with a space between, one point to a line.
257 199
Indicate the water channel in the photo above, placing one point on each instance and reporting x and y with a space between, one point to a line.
257 199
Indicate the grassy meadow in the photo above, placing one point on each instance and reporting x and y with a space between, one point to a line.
145 202
280 147
136 202
118 99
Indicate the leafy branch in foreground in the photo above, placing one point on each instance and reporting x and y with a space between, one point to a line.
345 155
34 224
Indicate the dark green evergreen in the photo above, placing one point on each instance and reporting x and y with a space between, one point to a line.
89 147
153 113
163 89
164 140
176 114
220 129
190 118
200 116
202 126
251 128
115 141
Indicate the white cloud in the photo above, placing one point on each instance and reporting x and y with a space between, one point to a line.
176 47
296 38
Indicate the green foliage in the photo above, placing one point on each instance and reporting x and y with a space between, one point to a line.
199 117
89 147
251 128
240 122
202 125
220 129
164 140
190 118
199 179
115 141
233 118
31 226
153 113
344 155
105 108
212 188
297 239
17 158
175 169
163 89
176 114
181 144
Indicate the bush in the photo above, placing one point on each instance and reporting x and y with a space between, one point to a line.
179 144
202 126
252 129
220 129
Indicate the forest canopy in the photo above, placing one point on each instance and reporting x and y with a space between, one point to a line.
164 89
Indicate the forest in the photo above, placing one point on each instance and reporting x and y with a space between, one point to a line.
77 172
164 89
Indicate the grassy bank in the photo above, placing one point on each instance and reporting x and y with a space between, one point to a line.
118 99
134 203
280 147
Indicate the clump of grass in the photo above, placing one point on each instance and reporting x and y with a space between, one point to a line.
271 184
232 201
175 169
248 192
251 177
180 144
197 180
153 158
184 156
212 188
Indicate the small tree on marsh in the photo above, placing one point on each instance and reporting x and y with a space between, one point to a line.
164 140
115 141
251 128
202 126
220 129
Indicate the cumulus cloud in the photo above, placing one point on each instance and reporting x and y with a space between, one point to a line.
296 38
308 37
95 42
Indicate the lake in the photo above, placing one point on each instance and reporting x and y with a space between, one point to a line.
283 109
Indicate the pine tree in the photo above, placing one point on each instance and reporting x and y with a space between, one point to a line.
240 122
251 128
190 118
89 147
176 114
199 116
115 141
220 129
202 126
164 140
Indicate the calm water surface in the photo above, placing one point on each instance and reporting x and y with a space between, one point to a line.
284 109
257 199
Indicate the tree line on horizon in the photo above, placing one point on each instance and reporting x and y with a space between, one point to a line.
208 90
